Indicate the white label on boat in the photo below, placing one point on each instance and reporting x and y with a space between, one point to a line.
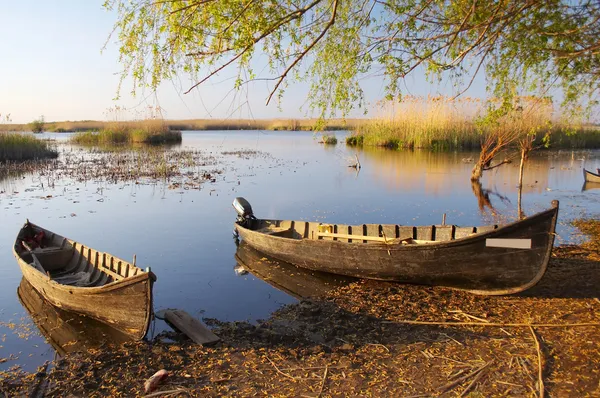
509 243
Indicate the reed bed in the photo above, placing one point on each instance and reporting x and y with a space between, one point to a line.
444 123
195 124
21 147
438 123
145 132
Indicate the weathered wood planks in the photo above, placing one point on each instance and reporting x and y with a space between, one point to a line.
190 326
79 279
443 255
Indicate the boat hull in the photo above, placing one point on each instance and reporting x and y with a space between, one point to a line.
124 302
470 263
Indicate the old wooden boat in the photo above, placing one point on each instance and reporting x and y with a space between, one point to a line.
487 260
66 331
590 176
295 281
80 279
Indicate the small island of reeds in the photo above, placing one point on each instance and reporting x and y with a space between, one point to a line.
145 132
18 147
328 139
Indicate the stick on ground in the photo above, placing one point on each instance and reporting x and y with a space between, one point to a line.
540 365
323 382
456 382
512 325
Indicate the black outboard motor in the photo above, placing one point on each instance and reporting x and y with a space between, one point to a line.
244 210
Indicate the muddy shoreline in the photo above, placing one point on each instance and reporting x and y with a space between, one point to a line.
355 341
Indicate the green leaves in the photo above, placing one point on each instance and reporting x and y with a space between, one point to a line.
522 46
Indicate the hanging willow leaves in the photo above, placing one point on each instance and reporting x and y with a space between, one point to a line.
530 45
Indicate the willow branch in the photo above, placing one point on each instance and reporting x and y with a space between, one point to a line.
306 50
267 32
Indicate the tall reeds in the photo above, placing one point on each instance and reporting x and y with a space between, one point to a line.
438 123
21 147
118 133
444 123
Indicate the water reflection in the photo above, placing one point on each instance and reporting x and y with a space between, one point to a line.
7 179
484 197
440 173
66 331
296 282
587 186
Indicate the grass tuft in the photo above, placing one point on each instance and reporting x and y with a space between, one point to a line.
329 139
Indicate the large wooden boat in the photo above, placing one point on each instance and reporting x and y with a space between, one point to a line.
80 279
487 260
66 331
590 176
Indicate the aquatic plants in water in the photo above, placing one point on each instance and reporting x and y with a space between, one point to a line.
328 139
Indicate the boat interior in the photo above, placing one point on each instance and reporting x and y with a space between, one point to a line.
366 233
71 263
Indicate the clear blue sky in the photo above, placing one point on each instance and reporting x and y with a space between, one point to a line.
51 64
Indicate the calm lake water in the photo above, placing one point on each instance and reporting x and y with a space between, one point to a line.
185 235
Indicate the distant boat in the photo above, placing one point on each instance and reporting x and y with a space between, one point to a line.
77 278
66 331
488 260
591 177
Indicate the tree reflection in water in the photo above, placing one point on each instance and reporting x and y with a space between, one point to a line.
483 197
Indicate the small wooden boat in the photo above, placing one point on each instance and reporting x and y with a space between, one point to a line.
66 331
487 260
591 177
295 281
80 279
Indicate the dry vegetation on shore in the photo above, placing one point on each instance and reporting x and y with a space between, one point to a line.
445 123
375 339
194 124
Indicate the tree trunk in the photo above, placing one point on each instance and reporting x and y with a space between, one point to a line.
521 167
521 215
477 171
